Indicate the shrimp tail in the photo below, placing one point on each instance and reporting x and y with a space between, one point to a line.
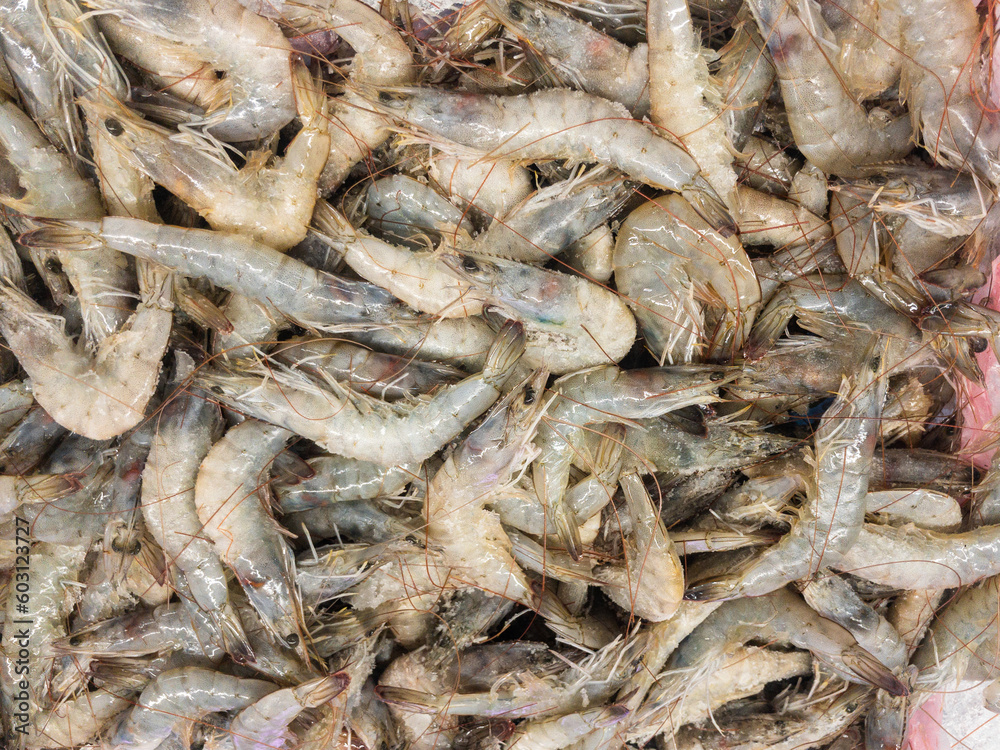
64 235
412 700
872 671
710 207
719 590
327 689
234 639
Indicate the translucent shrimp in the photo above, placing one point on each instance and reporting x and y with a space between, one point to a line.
554 217
684 99
601 395
489 186
940 88
231 497
186 428
178 695
592 61
870 37
832 519
746 75
313 298
270 202
553 124
569 322
421 279
18 489
77 721
15 402
100 395
405 211
386 376
40 181
669 263
358 427
769 220
264 724
344 480
831 129
251 50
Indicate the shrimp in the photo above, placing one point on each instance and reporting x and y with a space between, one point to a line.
313 298
746 76
24 689
869 35
251 50
77 721
421 279
19 489
359 427
569 322
176 695
769 220
230 495
553 218
272 203
668 263
462 342
15 403
831 129
938 85
264 724
100 395
684 99
553 124
404 211
767 167
185 431
601 395
343 480
592 256
41 182
832 519
489 186
592 61
387 376
169 627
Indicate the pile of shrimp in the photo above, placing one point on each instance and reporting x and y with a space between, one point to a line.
532 374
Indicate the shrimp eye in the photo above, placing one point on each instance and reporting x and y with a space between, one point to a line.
978 344
516 11
135 549
51 266
385 97
876 363
217 389
76 640
114 127
469 264
529 395
291 640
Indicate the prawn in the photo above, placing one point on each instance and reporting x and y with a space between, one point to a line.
669 262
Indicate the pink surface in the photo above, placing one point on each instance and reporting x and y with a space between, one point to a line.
981 405
924 731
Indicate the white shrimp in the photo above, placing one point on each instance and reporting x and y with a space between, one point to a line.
830 127
264 725
41 182
100 395
684 100
251 50
354 426
669 262
769 220
178 695
232 500
553 124
78 720
312 297
870 39
185 430
492 187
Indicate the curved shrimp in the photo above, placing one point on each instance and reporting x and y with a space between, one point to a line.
569 322
939 87
684 100
230 495
553 124
869 35
312 297
832 519
831 129
100 395
41 182
178 695
273 204
353 426
405 211
746 74
491 187
593 61
186 428
264 724
251 50
668 263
